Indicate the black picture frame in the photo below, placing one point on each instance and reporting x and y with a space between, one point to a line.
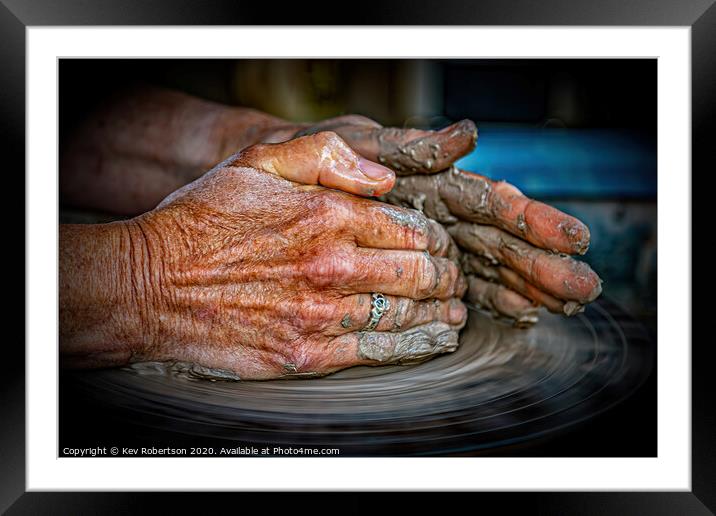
700 15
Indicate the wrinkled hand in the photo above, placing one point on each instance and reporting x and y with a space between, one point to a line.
406 151
265 278
516 250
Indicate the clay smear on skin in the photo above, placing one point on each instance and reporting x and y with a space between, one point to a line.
422 154
409 346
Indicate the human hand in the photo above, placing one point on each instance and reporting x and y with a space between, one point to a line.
246 272
147 142
407 151
516 250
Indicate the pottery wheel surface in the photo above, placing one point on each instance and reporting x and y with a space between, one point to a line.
502 386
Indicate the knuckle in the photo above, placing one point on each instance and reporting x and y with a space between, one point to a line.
418 220
413 223
403 313
329 205
328 139
303 357
427 276
421 232
330 269
440 237
320 204
315 315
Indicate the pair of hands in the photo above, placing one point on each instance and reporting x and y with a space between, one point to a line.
266 278
516 251
245 272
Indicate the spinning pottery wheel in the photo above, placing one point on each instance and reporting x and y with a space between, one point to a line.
502 386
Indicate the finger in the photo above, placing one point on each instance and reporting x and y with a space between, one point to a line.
536 222
558 275
422 193
382 226
412 151
472 264
475 198
500 300
401 313
412 274
381 348
319 159
457 194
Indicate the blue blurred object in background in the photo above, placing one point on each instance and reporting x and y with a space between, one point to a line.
605 177
559 163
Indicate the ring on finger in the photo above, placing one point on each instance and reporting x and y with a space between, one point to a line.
379 305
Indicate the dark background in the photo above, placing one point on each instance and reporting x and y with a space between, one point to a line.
587 93
580 134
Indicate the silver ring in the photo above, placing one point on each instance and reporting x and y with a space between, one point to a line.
378 306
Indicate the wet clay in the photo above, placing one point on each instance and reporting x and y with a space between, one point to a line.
185 370
531 380
454 195
410 346
193 371
427 154
573 308
501 302
559 275
473 264
298 376
445 197
410 218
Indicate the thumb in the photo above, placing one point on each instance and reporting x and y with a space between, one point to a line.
320 159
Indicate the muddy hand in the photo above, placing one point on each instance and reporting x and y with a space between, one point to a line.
406 151
557 281
319 159
509 239
266 278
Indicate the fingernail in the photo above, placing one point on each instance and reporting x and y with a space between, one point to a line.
577 234
373 170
